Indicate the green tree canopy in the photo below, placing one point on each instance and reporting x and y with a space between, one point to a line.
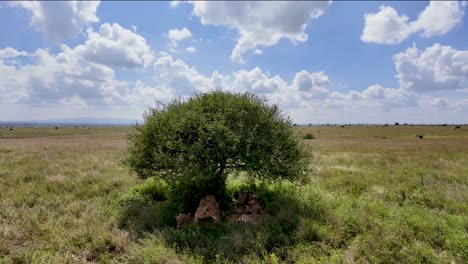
213 133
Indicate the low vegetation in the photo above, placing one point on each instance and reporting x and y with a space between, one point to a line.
377 195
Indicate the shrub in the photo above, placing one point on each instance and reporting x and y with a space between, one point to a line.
152 189
309 136
195 144
142 207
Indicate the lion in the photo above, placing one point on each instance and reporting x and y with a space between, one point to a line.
183 219
208 208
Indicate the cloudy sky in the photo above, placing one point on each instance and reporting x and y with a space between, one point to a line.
322 62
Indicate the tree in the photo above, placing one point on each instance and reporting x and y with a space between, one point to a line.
194 144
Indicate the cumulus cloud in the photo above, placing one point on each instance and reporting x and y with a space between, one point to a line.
177 75
384 97
385 27
311 85
114 45
389 27
439 17
305 89
177 35
49 78
435 68
258 82
82 75
59 20
260 23
11 53
66 78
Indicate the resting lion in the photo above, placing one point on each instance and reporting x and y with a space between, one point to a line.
183 219
208 208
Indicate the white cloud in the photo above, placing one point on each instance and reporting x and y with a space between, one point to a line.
50 78
258 82
191 49
258 52
60 20
312 85
177 35
11 53
439 17
436 68
305 89
376 95
114 45
82 75
385 27
389 27
260 23
176 75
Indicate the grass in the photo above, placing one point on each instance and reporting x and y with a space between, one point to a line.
378 195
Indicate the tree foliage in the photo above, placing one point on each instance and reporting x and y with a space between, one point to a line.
212 134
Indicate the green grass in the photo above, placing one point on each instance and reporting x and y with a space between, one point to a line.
32 132
377 195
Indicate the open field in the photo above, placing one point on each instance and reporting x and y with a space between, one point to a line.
377 195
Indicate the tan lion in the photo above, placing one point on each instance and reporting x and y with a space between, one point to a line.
208 208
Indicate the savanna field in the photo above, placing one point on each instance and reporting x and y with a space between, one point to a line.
375 195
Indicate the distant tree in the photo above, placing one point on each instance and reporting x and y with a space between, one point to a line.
397 124
195 144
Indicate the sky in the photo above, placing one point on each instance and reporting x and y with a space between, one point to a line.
321 62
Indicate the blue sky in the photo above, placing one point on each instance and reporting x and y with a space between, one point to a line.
322 62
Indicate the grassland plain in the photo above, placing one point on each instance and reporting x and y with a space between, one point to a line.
377 195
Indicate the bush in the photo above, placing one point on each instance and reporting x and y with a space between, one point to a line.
151 189
195 144
309 136
143 208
